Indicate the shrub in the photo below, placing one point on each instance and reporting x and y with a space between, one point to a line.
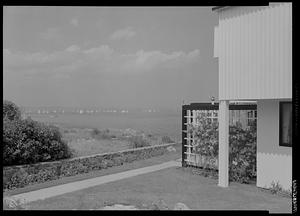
242 154
166 139
138 141
98 134
11 111
206 138
118 160
12 140
95 132
130 158
28 141
275 187
10 203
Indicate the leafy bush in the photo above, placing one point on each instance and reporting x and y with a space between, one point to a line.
28 141
206 136
242 154
10 203
242 144
105 134
130 158
138 142
275 187
11 111
118 160
166 139
95 132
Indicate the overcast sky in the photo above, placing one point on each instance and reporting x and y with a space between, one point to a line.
108 56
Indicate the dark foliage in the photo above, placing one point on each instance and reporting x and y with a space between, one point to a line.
105 134
138 141
166 139
11 111
242 154
28 141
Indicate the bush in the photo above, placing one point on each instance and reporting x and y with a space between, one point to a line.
138 141
166 139
242 154
11 111
98 134
10 203
206 138
28 141
130 158
118 160
95 132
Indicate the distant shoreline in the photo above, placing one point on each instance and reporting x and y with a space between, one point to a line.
168 124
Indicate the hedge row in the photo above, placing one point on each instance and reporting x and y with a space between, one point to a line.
21 176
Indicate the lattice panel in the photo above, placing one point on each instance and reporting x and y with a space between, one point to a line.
191 118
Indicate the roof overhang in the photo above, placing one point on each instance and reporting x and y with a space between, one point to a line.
218 8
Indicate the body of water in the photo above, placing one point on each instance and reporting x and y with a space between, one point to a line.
153 123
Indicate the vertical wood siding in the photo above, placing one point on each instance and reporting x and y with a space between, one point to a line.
254 48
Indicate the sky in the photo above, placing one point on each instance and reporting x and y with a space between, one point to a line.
132 57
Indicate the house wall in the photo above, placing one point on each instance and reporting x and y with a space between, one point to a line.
274 162
254 49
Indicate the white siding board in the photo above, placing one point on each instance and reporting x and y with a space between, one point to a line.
285 53
235 64
289 50
239 56
277 50
221 60
281 51
264 42
227 50
216 41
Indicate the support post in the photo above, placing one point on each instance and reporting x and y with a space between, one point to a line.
223 143
184 135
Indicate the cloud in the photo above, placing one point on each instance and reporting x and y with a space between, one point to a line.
73 48
51 33
125 33
74 22
97 60
148 60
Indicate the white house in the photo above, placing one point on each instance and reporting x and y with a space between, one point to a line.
254 50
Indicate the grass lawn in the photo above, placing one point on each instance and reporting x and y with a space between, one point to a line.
83 143
85 147
171 185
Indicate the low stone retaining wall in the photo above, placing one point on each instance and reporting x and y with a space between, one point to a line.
22 175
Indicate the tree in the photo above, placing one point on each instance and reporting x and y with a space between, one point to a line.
11 111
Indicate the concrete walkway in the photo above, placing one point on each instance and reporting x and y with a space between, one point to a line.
79 185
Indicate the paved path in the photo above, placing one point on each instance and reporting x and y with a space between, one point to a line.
79 185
